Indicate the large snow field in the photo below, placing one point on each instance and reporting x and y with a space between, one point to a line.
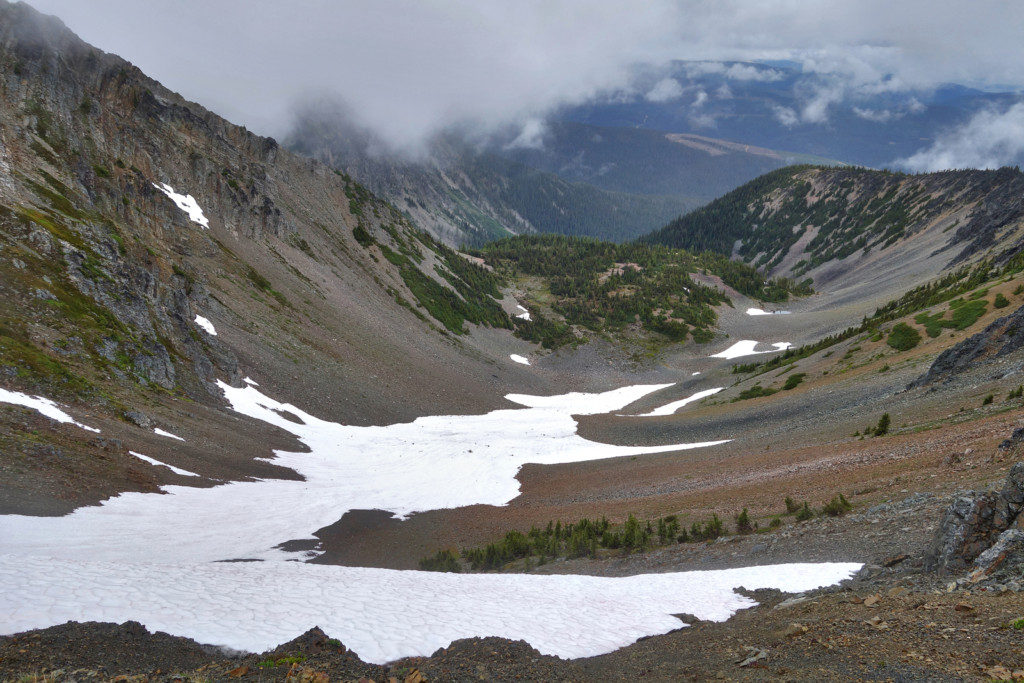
154 558
382 614
430 463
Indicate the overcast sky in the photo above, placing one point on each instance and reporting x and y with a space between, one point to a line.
410 67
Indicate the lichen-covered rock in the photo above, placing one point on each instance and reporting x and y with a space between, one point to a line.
974 522
1005 556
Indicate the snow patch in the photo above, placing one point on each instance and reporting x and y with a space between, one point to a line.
160 432
42 405
758 311
383 614
670 408
250 381
206 325
186 203
525 315
523 360
747 347
172 468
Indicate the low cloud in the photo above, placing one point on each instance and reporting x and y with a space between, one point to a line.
785 115
665 90
876 115
990 139
736 72
411 69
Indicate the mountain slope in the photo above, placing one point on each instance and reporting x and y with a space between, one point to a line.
116 302
829 222
465 194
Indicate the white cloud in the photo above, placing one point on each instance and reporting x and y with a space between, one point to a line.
875 115
990 139
665 90
531 136
409 69
735 72
785 115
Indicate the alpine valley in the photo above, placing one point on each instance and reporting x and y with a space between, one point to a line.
643 399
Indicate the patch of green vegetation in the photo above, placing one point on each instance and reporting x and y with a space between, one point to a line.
282 661
756 391
451 307
442 561
1000 301
966 313
988 400
804 513
837 507
101 171
261 283
793 381
362 236
744 525
903 337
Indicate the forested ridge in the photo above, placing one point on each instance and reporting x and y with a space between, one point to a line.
838 212
607 287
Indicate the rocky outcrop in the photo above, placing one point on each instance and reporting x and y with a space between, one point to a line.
976 527
1000 338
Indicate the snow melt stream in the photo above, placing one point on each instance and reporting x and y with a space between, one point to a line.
154 558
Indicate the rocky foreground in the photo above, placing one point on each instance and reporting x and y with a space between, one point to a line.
951 608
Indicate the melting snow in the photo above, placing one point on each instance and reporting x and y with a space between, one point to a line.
747 348
758 311
42 405
172 468
160 432
186 203
519 359
525 315
382 614
206 325
434 462
250 381
153 558
670 408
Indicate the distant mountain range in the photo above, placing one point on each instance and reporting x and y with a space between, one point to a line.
779 106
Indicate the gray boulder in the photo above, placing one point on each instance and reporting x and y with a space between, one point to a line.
974 522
